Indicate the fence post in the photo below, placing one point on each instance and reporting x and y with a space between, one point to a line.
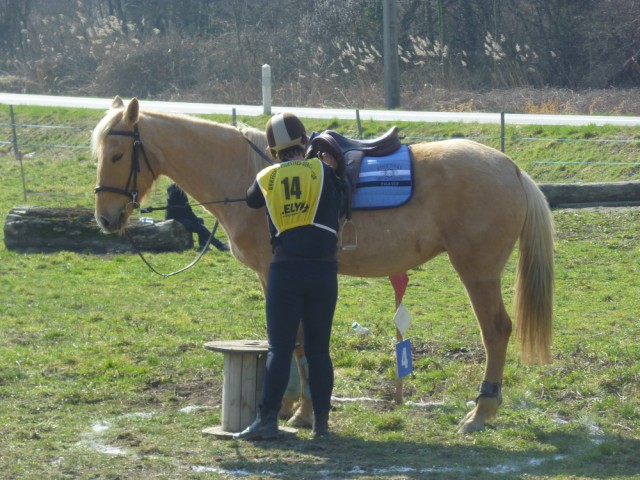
502 132
266 89
359 124
16 152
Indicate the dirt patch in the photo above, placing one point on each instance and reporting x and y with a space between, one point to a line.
198 392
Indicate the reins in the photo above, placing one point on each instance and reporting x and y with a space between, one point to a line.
226 201
183 269
258 151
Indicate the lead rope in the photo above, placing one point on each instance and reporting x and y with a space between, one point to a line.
166 275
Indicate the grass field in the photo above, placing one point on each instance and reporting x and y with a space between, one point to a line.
103 373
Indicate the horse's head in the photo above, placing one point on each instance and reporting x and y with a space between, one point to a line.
124 172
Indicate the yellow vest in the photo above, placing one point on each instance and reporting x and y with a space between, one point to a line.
292 192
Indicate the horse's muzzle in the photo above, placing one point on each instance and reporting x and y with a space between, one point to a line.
112 223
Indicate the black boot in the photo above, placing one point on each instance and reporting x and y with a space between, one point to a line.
321 424
264 427
221 246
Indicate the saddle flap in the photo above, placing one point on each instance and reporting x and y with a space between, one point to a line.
352 163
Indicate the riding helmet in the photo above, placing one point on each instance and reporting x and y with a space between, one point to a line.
284 131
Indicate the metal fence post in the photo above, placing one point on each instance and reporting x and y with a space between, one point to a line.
502 132
16 151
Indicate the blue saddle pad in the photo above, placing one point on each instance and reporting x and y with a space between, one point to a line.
384 182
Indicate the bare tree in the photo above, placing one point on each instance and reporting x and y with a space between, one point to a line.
321 47
14 18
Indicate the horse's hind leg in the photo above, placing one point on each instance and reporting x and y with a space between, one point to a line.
299 390
495 325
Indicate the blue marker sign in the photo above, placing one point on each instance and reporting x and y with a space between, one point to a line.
403 358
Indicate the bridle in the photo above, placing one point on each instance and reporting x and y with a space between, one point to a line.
132 181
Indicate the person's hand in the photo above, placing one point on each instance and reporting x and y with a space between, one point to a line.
328 159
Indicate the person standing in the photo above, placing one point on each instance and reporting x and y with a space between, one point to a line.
178 209
304 201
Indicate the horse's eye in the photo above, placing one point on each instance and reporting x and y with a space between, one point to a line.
116 157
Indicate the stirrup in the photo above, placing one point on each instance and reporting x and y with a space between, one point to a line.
348 246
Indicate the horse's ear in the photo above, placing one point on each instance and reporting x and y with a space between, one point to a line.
132 112
117 102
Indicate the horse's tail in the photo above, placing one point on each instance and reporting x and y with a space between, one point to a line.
533 300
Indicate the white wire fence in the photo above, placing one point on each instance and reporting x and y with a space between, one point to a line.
23 140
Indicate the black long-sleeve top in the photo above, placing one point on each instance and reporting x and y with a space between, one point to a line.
308 241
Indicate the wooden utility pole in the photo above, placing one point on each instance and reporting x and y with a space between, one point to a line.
390 52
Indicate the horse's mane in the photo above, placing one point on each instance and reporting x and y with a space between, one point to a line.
259 139
102 129
113 116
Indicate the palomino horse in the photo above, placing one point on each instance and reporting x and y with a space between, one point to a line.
470 201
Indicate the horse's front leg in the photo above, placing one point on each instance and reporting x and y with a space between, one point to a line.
495 325
292 393
303 417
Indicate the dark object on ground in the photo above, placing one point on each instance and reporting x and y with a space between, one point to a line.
178 209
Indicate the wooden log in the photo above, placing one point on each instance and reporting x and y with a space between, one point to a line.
592 194
75 229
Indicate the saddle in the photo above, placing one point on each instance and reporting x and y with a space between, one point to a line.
355 150
376 147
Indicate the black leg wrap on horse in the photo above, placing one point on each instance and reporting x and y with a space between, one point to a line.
491 390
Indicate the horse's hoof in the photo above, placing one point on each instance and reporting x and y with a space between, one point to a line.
476 420
303 418
470 423
470 426
286 409
298 421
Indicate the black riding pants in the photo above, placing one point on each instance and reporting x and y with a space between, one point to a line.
297 291
202 231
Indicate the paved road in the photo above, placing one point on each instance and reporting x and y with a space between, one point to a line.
343 114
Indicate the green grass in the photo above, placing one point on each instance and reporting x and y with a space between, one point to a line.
99 357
